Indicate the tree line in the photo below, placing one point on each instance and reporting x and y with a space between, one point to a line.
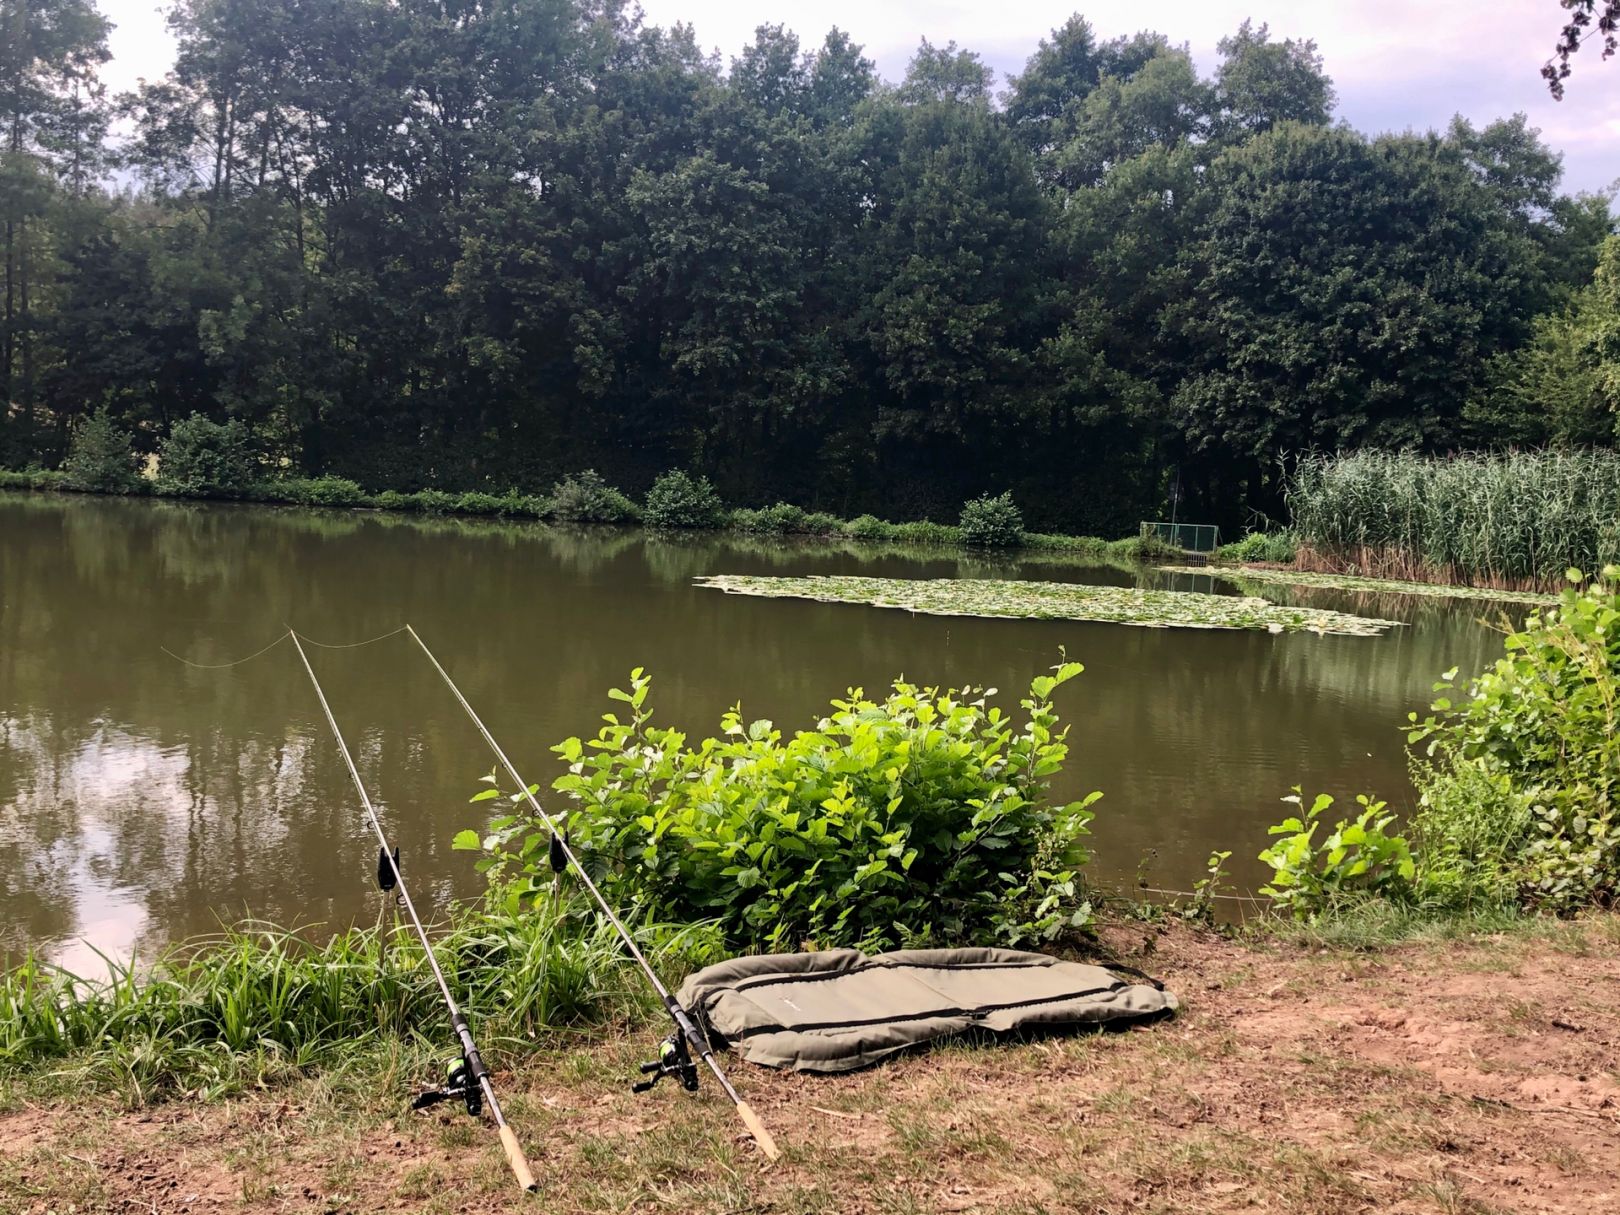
472 245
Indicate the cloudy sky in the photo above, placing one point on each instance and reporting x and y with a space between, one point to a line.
1396 64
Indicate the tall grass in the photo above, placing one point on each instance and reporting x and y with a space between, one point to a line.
256 1001
1514 521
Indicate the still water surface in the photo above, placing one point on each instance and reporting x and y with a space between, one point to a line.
143 800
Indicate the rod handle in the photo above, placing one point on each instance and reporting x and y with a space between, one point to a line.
518 1161
756 1128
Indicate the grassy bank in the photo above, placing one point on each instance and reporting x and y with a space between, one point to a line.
603 505
260 1004
1432 1078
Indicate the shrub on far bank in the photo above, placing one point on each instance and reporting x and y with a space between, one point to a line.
312 491
784 519
584 497
1272 547
202 458
33 478
868 527
678 499
101 458
992 522
922 531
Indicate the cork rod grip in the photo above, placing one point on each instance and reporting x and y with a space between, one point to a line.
518 1161
756 1128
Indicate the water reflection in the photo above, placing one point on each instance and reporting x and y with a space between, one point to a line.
142 799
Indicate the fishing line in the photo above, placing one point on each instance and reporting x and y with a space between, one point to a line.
222 666
674 1059
473 1061
354 645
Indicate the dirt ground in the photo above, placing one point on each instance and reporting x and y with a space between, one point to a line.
1467 1077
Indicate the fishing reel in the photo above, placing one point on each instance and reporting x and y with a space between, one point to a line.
674 1059
458 1083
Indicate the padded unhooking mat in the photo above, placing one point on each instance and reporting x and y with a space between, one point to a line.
840 1009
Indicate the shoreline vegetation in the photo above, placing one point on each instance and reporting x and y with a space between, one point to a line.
1505 527
585 499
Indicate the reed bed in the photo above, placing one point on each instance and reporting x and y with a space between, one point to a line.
256 1002
1514 521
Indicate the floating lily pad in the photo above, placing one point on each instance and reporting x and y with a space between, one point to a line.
1054 601
1351 582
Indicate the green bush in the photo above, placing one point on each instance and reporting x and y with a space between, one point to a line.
869 527
920 817
678 499
585 497
100 457
1277 547
924 532
1520 776
1081 546
784 519
392 499
202 458
517 505
318 491
1359 859
475 502
1144 550
434 501
34 478
991 522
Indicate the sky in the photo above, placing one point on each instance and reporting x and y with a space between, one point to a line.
1396 64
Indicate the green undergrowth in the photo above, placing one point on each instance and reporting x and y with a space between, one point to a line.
1021 599
1370 924
1517 772
258 1003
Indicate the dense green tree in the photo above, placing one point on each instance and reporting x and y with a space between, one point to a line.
52 121
461 245
1261 83
1347 293
1563 385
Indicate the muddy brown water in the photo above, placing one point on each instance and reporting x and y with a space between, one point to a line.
143 800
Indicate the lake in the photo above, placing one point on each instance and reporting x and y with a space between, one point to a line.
143 799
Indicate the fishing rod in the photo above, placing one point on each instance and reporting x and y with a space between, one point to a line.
675 1053
469 1080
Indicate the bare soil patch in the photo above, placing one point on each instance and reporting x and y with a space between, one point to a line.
1469 1077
